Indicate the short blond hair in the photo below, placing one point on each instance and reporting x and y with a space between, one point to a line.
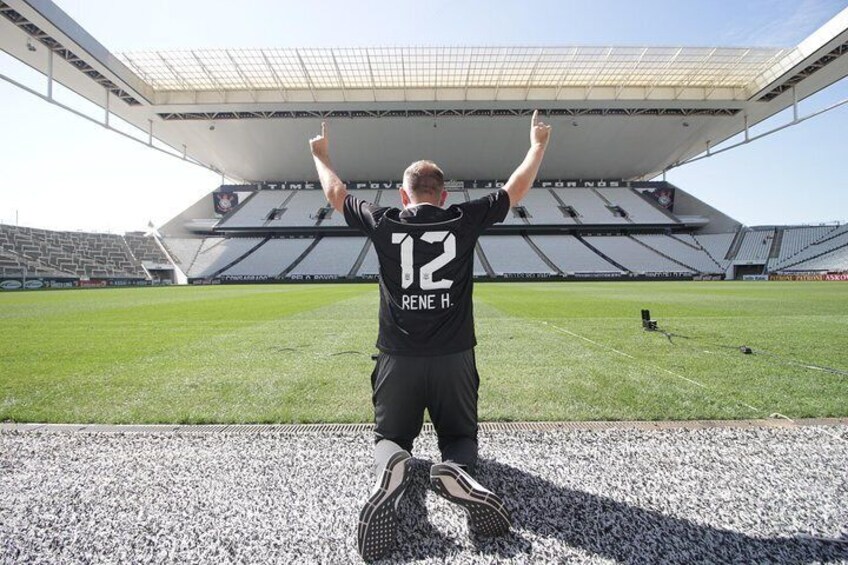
424 178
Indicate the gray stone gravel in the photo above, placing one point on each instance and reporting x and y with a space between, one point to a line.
676 496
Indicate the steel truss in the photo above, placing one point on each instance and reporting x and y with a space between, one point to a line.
58 49
810 69
451 113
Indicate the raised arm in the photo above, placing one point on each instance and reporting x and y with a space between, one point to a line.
522 178
334 188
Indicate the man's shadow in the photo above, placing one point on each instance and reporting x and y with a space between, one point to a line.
596 525
417 537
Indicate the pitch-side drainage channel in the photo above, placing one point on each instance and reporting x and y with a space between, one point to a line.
428 428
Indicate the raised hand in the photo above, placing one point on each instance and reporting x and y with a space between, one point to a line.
320 144
540 132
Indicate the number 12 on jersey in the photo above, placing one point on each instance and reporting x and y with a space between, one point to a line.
406 241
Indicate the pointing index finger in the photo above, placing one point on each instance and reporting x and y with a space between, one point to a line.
535 117
323 129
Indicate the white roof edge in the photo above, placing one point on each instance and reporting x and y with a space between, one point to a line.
83 43
832 29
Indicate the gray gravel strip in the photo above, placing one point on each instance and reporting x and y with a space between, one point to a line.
710 495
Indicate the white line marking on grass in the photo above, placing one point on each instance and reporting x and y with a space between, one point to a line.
679 376
565 331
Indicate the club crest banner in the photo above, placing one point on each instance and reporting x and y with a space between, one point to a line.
224 202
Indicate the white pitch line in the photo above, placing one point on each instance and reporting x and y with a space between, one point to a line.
567 332
604 346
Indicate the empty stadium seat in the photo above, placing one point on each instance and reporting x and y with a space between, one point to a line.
218 253
571 256
634 256
755 248
331 257
512 255
690 254
270 259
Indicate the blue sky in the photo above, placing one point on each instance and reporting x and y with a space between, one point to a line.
58 171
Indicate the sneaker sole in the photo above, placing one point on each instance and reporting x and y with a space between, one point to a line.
377 519
486 512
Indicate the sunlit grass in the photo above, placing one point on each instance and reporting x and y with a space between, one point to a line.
301 353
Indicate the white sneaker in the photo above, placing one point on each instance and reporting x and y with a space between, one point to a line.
486 512
378 519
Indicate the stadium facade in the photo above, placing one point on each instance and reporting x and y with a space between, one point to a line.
623 117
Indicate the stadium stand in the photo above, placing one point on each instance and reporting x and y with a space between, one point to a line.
256 210
279 208
539 240
217 254
591 209
270 260
183 250
479 268
716 245
797 239
832 261
304 208
512 217
571 256
635 256
88 255
512 255
820 249
331 257
688 253
336 218
639 210
370 266
756 246
144 248
543 208
12 266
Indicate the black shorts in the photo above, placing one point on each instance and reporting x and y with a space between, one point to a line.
446 385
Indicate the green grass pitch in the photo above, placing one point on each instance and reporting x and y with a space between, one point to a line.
301 353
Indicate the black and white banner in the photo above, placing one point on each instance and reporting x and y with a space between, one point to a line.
225 202
449 184
664 197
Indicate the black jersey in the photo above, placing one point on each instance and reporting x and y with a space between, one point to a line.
426 256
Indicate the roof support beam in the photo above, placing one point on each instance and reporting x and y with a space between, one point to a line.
276 77
565 72
306 75
592 84
210 76
732 68
371 76
532 73
242 76
174 72
620 88
662 73
403 73
678 90
339 75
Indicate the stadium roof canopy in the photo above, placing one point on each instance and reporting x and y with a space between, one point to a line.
618 112
455 73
